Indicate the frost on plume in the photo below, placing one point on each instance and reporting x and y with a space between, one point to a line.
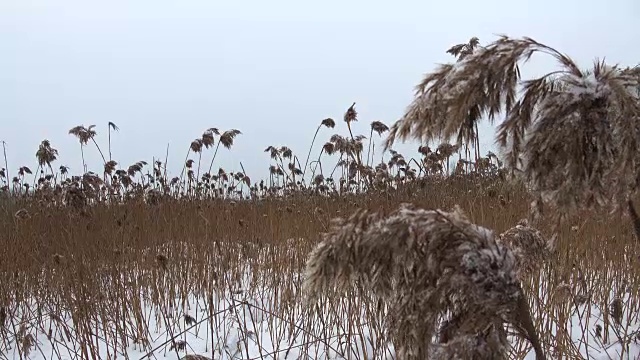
427 265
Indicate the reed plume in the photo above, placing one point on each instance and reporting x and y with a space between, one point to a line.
426 264
84 134
573 134
530 247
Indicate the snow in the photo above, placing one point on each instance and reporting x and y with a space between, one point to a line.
248 324
242 327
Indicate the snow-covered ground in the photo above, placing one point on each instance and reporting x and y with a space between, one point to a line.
237 326
242 328
589 338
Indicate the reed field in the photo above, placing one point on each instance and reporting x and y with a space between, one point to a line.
129 261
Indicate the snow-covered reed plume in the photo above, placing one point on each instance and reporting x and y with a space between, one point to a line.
529 246
572 134
427 265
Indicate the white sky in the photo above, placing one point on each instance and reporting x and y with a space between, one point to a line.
164 71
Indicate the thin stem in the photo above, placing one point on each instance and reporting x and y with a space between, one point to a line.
166 159
314 169
334 169
6 164
109 134
370 142
214 156
199 161
184 165
35 176
359 158
84 164
99 150
310 148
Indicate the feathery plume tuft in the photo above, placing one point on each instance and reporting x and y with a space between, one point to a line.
328 122
196 145
351 114
46 154
379 127
329 148
83 134
530 247
227 137
208 139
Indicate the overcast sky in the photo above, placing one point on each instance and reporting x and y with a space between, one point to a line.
164 71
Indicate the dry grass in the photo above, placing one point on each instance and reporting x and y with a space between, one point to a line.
98 263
